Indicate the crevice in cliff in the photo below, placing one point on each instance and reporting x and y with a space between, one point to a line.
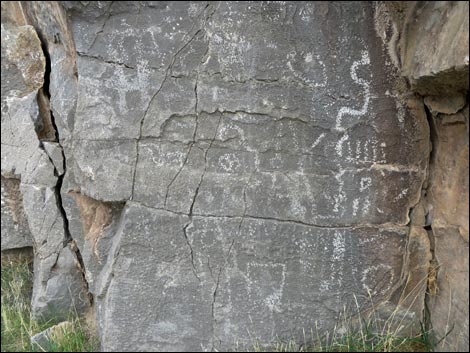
45 104
419 258
431 287
190 215
196 192
101 59
377 226
205 168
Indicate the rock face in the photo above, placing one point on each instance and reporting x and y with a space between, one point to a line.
46 339
31 205
15 231
213 173
449 226
434 50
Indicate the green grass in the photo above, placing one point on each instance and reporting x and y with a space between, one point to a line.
351 342
17 325
380 330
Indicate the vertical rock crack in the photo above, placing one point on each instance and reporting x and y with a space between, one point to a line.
68 240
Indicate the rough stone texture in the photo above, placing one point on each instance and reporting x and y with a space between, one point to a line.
198 284
213 173
445 104
54 151
45 340
28 168
434 46
93 224
261 177
430 44
15 230
418 262
450 224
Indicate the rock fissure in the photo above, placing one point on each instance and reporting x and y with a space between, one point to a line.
190 249
107 61
281 220
189 148
68 240
432 283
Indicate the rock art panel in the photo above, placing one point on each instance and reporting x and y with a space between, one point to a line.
216 172
260 154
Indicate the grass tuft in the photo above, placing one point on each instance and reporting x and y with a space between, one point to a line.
17 325
360 341
356 333
366 335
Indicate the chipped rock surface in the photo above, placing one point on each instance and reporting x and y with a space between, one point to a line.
210 173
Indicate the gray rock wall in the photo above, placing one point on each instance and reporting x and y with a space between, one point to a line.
209 174
32 171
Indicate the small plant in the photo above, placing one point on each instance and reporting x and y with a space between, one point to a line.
17 326
360 341
355 332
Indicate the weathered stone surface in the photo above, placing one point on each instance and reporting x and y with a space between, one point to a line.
104 169
23 66
449 176
419 259
430 44
45 340
450 226
445 105
58 286
34 218
92 224
220 172
23 62
15 230
222 270
54 151
449 304
253 166
429 41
